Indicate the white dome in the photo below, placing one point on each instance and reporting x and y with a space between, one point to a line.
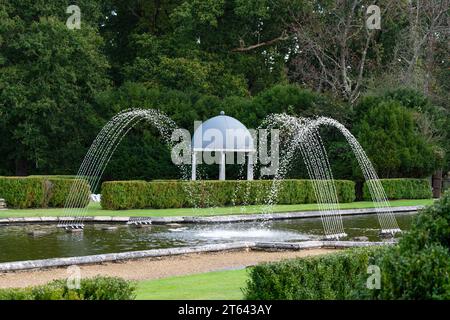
222 133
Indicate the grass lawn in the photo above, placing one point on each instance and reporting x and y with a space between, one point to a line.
217 285
95 209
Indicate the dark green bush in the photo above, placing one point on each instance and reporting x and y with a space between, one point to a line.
332 276
403 188
41 192
417 268
58 190
125 194
98 288
208 193
21 192
411 275
390 134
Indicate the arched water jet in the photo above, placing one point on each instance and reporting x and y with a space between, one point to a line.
303 131
101 152
385 215
318 167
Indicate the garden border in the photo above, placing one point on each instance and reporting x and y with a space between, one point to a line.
206 219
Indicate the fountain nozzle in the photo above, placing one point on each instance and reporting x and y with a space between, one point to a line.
335 236
389 233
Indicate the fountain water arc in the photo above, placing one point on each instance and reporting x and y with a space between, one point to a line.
100 153
306 139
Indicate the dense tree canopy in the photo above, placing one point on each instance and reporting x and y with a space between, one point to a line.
192 59
389 135
49 78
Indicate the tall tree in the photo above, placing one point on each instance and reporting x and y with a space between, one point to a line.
49 75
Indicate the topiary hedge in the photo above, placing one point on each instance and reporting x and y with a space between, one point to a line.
331 276
98 288
417 268
41 192
207 193
403 188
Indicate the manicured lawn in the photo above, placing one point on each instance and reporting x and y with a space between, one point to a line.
94 209
218 285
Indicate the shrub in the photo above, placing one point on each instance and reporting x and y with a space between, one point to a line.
417 268
390 135
332 276
207 193
125 194
98 288
403 189
21 192
41 192
58 190
415 275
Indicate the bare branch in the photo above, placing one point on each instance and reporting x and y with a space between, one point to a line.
241 48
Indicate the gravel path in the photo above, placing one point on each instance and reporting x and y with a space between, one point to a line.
154 268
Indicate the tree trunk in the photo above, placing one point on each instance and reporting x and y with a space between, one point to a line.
21 167
437 183
429 65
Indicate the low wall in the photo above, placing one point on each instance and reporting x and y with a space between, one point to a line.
208 219
111 257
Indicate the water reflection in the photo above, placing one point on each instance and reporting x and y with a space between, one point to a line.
29 242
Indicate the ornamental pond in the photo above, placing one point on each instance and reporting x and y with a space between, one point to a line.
39 241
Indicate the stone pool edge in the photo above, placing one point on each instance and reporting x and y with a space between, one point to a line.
206 220
154 253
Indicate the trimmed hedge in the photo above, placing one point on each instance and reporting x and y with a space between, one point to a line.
208 193
40 192
403 188
417 268
331 276
98 288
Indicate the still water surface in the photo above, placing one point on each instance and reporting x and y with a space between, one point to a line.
29 242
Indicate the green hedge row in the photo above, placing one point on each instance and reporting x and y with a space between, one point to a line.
331 276
417 268
208 193
98 288
41 192
403 189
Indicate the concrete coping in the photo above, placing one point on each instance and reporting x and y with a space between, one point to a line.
153 253
209 219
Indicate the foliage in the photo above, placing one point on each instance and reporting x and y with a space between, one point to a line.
41 192
98 288
192 59
402 189
332 276
433 120
417 268
22 192
207 193
389 126
142 154
49 77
